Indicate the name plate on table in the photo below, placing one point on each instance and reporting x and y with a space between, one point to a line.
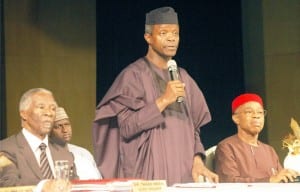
17 189
149 186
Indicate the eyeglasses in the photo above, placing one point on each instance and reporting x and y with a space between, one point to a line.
251 112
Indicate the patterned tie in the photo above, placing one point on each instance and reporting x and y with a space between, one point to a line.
44 164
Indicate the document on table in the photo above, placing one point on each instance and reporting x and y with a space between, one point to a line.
195 185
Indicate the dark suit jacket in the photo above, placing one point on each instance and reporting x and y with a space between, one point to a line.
26 170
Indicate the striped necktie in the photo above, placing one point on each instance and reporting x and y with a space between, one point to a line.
44 164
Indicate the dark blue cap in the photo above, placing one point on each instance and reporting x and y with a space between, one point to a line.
162 15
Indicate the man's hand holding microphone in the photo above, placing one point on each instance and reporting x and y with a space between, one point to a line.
175 89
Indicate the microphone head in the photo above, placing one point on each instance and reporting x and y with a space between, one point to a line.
172 66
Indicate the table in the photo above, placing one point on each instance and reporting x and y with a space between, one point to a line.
236 187
185 187
198 187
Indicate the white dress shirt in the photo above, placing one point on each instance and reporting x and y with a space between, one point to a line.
34 143
85 163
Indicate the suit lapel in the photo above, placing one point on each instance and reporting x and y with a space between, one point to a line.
28 155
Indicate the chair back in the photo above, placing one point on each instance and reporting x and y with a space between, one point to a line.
210 158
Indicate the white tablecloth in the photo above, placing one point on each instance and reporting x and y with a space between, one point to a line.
127 186
236 187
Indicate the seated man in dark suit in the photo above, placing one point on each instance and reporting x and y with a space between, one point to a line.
23 151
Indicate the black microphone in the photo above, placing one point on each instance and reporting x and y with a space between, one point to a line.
172 67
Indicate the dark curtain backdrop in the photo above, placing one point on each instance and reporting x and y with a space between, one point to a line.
210 50
2 77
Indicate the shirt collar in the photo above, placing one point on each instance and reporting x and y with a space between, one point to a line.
33 141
